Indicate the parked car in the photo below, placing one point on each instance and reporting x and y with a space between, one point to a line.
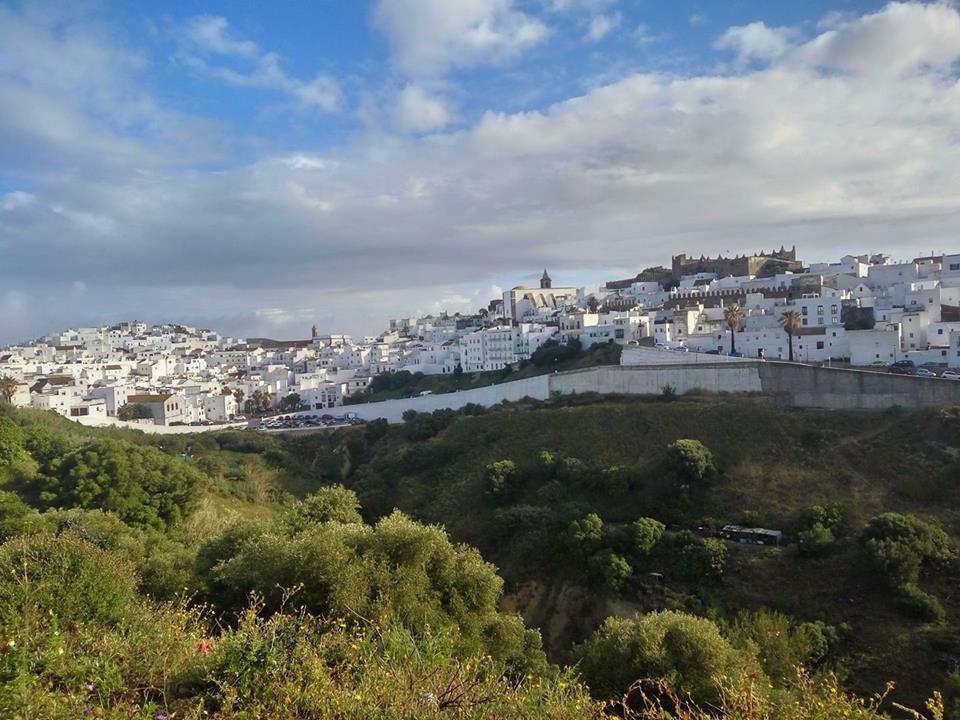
950 374
903 367
877 364
925 373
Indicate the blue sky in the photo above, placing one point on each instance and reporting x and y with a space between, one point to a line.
260 167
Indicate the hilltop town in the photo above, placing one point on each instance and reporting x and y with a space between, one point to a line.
863 310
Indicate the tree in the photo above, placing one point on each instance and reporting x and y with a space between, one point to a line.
141 485
593 305
584 535
900 546
396 572
333 503
501 478
646 533
134 411
790 321
291 402
733 316
687 651
690 460
8 387
239 395
610 569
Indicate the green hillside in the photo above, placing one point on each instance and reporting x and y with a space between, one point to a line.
334 574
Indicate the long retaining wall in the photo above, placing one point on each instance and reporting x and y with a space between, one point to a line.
392 410
789 384
796 385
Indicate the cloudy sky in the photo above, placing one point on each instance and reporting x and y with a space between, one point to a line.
260 167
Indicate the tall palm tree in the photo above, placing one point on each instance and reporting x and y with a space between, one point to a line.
790 321
733 315
8 387
238 395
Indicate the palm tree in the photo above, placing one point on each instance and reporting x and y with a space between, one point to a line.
8 387
790 321
238 395
733 315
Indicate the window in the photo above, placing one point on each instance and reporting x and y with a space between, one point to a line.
819 321
819 344
804 310
940 331
955 266
819 309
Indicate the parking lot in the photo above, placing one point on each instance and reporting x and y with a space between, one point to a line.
305 422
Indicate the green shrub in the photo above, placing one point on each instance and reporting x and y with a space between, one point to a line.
15 515
899 546
12 438
376 429
816 542
333 503
584 535
63 576
687 651
609 569
919 604
689 460
396 572
502 478
782 644
142 485
646 533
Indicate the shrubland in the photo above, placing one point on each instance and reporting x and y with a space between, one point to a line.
348 574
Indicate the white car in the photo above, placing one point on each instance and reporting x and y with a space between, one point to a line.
925 373
950 374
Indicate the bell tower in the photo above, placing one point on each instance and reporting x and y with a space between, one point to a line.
545 282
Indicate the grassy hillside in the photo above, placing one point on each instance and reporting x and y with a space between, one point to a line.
589 508
772 465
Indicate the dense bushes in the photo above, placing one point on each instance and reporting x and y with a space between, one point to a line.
143 486
62 577
397 572
79 642
687 651
899 548
551 352
689 460
423 426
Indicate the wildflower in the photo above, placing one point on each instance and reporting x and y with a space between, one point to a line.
204 646
91 688
160 716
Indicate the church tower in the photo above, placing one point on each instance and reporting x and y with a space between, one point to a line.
545 282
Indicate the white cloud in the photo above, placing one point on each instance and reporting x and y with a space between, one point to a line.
206 38
755 42
430 37
417 111
901 38
821 145
16 199
212 34
602 25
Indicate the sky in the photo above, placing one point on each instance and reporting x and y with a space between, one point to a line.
258 168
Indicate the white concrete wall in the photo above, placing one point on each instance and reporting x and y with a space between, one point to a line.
392 410
640 380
